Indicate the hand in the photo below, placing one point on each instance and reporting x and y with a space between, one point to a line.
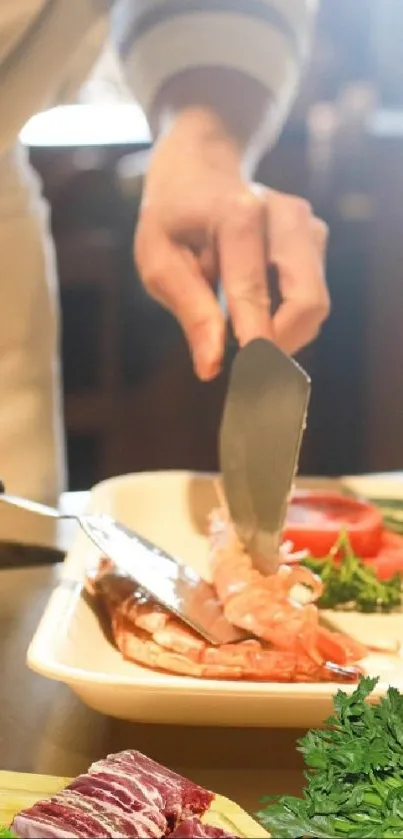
201 221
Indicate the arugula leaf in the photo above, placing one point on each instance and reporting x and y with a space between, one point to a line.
354 777
351 582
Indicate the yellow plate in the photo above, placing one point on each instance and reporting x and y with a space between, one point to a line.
18 791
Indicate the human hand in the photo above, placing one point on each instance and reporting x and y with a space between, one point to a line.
201 222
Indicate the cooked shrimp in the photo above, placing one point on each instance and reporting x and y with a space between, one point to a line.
263 605
147 634
289 644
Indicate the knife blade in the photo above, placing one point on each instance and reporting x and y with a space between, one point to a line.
177 587
260 438
149 569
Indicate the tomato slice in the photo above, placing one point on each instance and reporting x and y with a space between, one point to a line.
315 519
389 559
391 541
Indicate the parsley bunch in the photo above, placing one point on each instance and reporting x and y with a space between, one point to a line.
351 582
355 773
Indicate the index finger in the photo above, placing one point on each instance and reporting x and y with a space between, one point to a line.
172 276
241 242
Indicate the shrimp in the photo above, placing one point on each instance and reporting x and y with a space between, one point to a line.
288 642
147 634
263 605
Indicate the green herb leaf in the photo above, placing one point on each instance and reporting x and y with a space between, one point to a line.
5 833
351 582
354 780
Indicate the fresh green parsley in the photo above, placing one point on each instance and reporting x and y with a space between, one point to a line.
352 583
354 779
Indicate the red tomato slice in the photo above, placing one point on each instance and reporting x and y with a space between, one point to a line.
389 559
315 519
391 540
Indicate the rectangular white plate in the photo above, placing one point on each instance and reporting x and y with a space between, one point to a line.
379 485
171 509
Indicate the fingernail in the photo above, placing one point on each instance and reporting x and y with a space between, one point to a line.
206 370
206 360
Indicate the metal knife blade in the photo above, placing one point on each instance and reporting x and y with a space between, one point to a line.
177 587
260 438
149 569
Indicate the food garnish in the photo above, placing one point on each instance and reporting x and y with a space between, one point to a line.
352 582
374 528
316 517
5 833
354 777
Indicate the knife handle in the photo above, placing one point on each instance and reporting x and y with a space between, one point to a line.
231 343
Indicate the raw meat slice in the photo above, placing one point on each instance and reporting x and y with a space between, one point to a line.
79 819
192 828
175 796
125 795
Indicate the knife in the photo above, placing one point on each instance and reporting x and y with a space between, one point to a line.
260 438
175 586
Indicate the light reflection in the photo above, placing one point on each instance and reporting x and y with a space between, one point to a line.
87 125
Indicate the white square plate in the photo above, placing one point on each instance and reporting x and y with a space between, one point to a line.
171 509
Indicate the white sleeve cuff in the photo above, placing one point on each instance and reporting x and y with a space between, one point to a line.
265 39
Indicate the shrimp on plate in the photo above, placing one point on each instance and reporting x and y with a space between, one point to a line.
288 643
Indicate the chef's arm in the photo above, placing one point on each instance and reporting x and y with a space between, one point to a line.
216 79
237 62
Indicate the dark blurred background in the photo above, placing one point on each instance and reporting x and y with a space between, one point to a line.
131 400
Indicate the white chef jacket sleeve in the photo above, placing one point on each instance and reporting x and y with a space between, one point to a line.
266 39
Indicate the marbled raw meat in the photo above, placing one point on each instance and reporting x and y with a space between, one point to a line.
192 828
125 795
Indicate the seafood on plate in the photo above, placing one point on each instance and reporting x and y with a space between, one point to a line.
287 643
